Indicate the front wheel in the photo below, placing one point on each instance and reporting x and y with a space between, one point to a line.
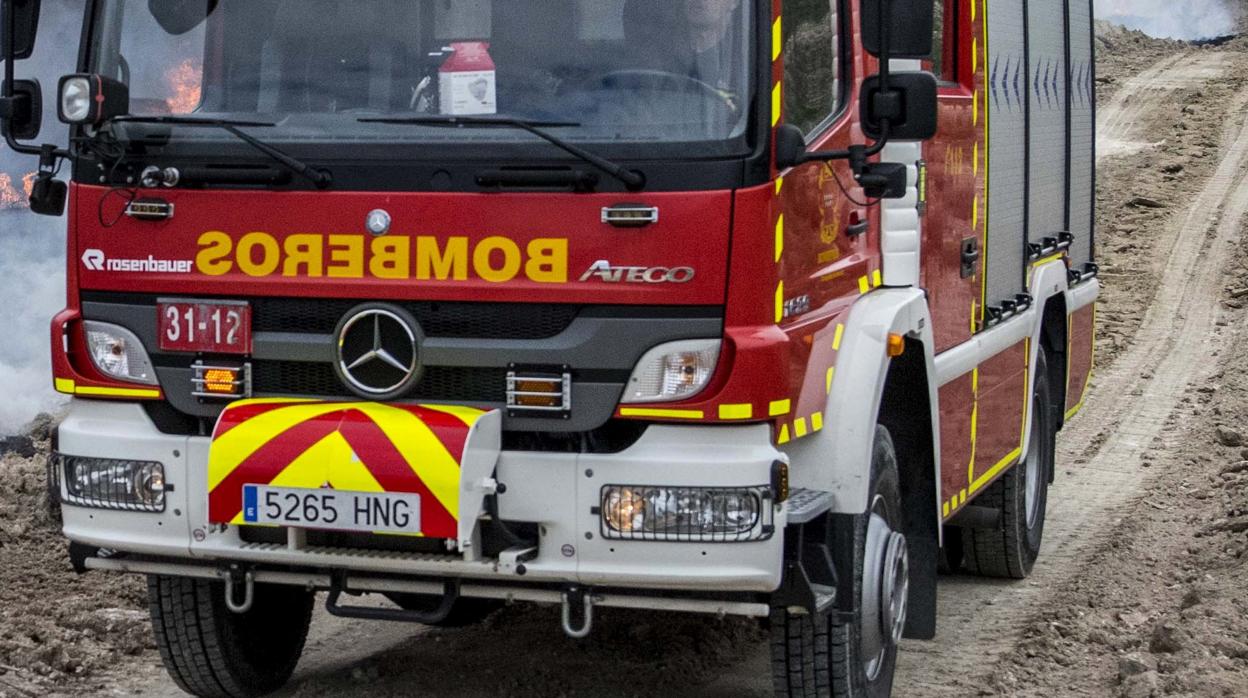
212 652
823 656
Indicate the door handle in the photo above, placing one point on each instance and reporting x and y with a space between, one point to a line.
970 256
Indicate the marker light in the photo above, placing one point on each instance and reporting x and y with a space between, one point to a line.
118 353
673 371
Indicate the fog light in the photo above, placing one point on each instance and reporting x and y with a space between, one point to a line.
106 483
692 514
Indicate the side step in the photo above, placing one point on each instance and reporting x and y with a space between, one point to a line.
803 505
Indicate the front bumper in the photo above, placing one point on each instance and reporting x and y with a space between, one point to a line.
557 491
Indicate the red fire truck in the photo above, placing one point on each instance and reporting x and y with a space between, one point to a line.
768 309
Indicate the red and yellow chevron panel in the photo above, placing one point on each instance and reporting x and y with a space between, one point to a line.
349 446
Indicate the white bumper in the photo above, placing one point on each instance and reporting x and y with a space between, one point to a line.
559 491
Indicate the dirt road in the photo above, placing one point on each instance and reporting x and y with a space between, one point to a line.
1121 547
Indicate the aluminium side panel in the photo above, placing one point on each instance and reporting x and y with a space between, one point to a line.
1006 105
1082 132
1046 50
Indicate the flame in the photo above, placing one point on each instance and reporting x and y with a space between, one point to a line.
185 83
10 197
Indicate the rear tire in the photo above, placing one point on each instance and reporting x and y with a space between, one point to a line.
821 656
1020 496
215 653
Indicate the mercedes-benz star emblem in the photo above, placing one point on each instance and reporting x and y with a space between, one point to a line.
378 222
378 353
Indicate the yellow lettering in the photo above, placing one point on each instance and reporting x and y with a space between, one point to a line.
303 251
391 258
548 261
434 263
346 257
270 254
214 251
483 260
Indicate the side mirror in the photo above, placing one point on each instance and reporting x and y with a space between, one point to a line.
91 99
790 146
909 104
23 117
25 17
180 16
910 27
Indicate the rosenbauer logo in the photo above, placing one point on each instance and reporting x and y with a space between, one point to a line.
96 260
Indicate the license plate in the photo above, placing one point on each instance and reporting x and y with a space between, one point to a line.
335 510
210 327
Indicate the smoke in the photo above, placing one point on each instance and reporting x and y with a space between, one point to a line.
1172 19
32 248
32 290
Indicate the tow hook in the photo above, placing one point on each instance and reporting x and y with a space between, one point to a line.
573 597
235 577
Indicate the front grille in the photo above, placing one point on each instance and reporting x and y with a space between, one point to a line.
457 320
447 383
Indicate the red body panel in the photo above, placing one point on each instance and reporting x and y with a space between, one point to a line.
1081 356
501 247
957 440
1003 403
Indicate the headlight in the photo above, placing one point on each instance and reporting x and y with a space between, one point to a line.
113 484
76 99
673 371
692 514
118 353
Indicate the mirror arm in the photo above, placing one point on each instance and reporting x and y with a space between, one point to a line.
9 102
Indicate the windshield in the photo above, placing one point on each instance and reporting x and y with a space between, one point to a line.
626 71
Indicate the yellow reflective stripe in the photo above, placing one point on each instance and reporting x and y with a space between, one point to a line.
784 434
237 444
864 285
1046 260
424 452
779 237
831 374
745 411
982 480
115 392
779 185
836 339
777 39
64 385
775 105
799 427
332 461
816 421
877 279
779 408
661 414
779 302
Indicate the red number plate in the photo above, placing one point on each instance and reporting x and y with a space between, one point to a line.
214 328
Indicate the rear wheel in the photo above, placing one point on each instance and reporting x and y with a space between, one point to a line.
1020 496
210 651
821 656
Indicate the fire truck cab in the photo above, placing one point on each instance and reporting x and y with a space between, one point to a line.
769 309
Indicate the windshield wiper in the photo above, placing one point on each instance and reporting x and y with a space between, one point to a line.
320 177
631 178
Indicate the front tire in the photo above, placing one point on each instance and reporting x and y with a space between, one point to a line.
1020 497
823 656
215 653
